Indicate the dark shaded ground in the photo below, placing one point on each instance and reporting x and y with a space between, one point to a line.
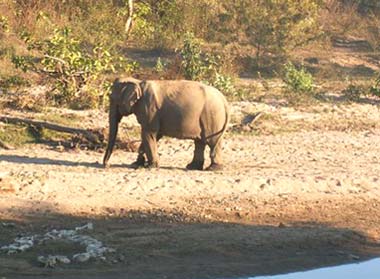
155 245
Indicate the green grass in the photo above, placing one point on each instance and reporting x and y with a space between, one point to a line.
71 120
18 135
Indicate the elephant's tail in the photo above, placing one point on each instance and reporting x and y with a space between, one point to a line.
225 126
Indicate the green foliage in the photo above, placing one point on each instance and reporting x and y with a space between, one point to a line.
193 62
272 26
4 24
160 66
13 81
74 70
205 67
16 135
298 80
163 24
225 84
142 27
375 88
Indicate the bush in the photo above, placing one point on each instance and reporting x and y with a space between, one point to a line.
4 24
298 80
271 26
224 83
10 82
375 88
74 70
353 92
193 63
204 67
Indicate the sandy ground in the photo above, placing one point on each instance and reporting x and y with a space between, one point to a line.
285 202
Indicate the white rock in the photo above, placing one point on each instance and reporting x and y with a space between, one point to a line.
94 247
63 259
88 226
49 261
82 257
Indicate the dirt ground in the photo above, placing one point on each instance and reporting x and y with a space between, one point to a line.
286 201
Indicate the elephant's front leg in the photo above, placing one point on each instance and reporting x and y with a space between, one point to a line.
149 142
140 161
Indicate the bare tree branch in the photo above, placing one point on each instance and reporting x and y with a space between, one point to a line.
56 58
128 24
5 145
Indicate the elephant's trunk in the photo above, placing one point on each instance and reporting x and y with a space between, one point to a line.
114 119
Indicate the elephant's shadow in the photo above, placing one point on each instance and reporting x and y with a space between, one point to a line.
132 166
18 159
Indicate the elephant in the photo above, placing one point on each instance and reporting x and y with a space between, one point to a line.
180 109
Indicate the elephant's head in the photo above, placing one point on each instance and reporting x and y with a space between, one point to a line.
125 94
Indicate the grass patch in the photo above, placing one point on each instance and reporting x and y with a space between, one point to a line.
71 120
18 135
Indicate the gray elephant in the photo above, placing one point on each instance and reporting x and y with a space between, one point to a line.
175 108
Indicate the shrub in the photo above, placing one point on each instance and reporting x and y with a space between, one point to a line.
271 26
375 88
4 24
10 82
193 62
205 67
224 83
298 80
353 92
74 70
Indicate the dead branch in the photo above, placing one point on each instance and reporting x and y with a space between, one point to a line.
128 24
250 119
5 145
56 59
90 136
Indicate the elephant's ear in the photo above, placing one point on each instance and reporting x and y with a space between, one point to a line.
139 91
152 100
135 90
130 94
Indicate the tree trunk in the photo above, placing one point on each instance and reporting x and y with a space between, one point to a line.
128 24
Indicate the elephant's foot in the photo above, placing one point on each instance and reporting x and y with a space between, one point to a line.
140 162
197 165
215 167
152 165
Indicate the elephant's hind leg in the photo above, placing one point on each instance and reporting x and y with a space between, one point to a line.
199 157
215 155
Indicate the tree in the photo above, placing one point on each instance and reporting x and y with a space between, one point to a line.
271 26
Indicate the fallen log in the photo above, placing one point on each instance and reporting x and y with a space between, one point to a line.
5 145
90 136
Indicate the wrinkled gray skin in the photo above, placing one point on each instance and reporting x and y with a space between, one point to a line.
179 109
